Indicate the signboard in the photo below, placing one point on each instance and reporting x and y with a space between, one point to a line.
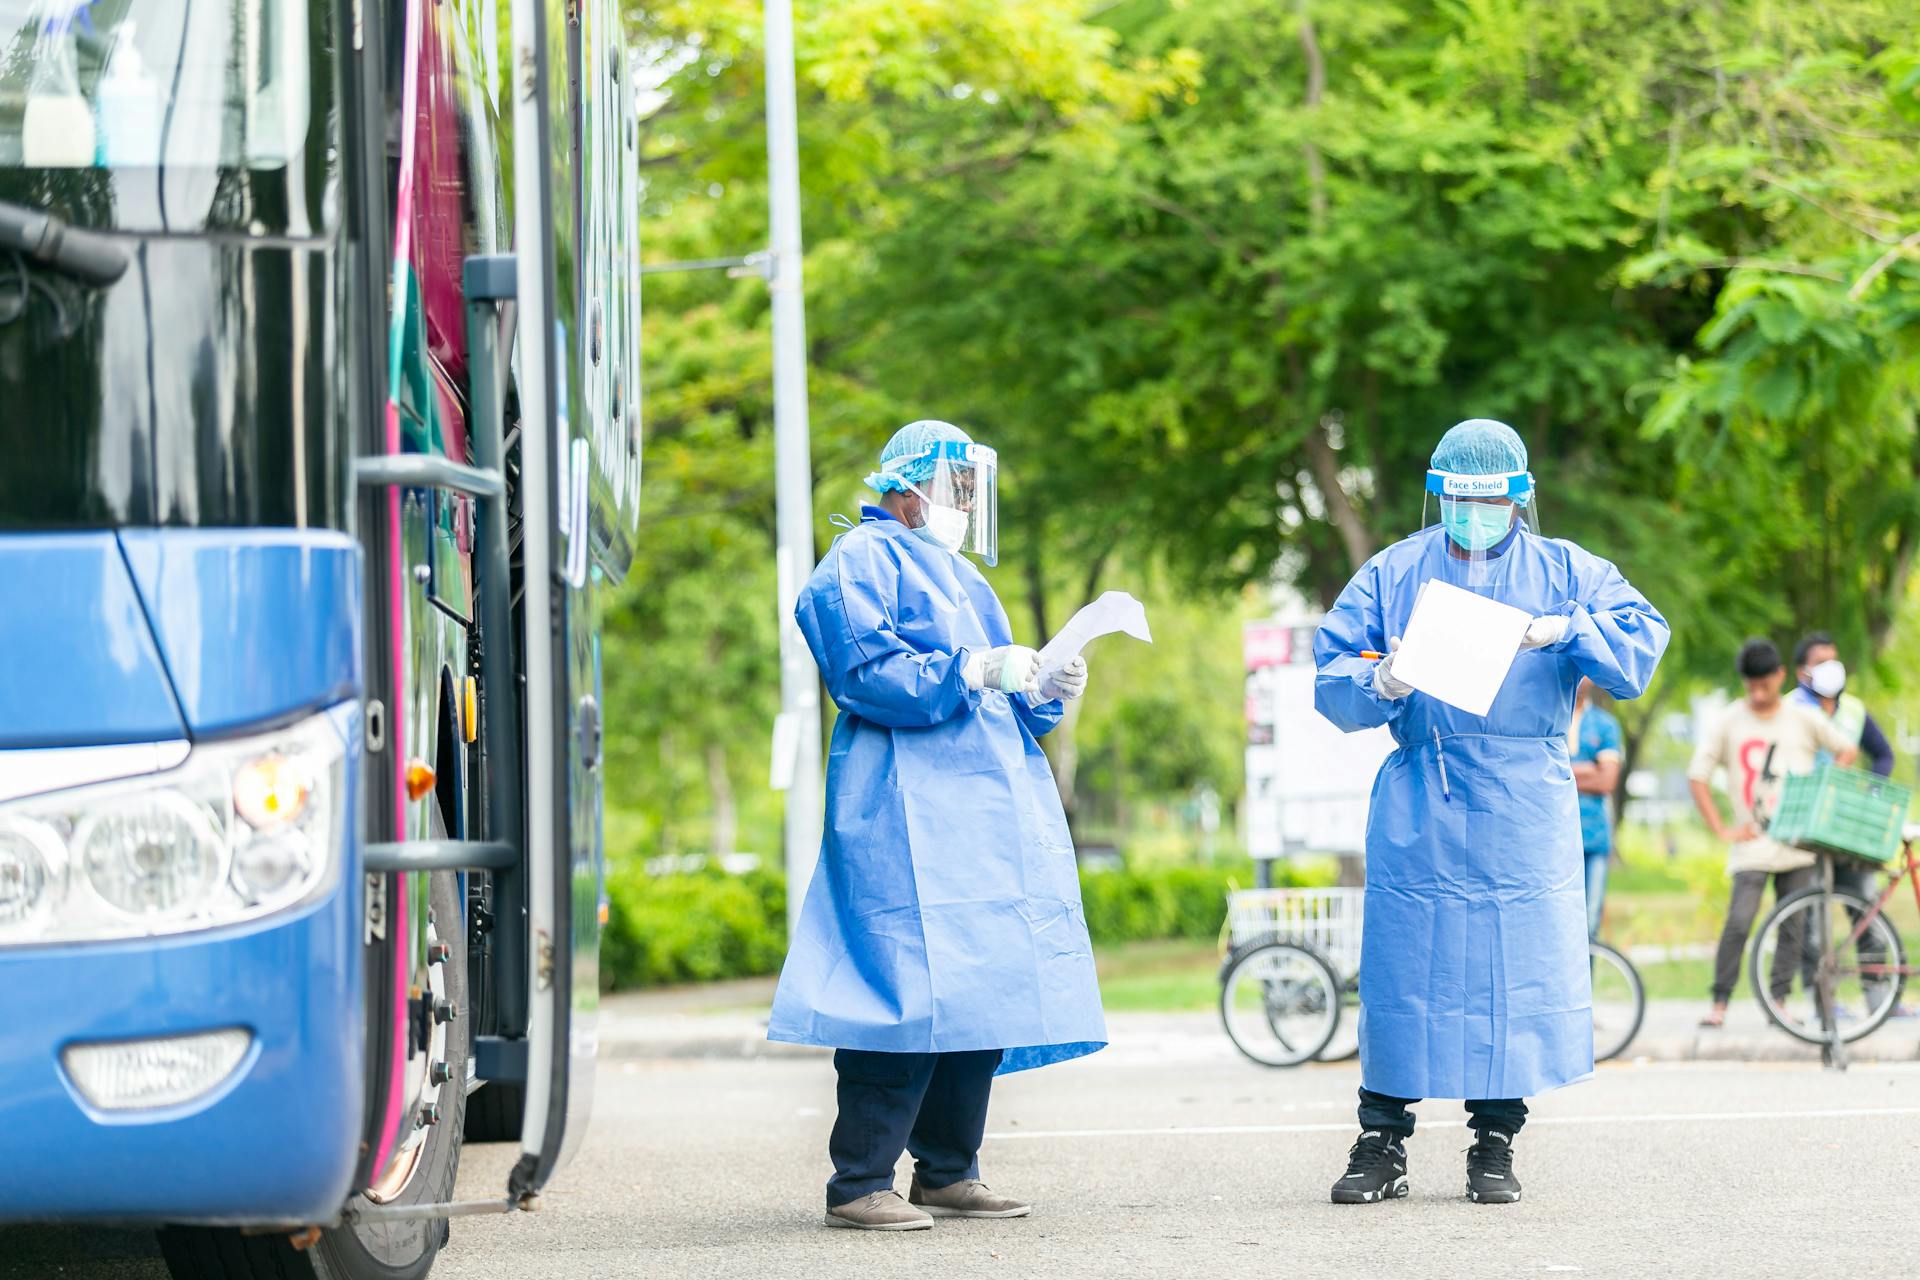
1307 782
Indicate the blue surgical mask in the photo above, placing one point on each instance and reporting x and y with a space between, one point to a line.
1476 526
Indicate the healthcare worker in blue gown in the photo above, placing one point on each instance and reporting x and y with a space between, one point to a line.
942 940
1474 980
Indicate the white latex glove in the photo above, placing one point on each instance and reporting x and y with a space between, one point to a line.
1011 668
1066 684
1543 631
1384 683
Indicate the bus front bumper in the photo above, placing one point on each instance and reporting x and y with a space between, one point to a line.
273 1140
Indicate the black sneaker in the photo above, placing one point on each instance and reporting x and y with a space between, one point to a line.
1490 1177
1376 1170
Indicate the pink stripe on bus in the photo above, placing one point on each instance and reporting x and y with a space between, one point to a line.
397 923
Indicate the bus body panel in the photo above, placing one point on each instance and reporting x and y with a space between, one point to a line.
254 624
257 628
81 668
275 1142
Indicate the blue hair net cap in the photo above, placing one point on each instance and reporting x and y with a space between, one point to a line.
1480 447
901 463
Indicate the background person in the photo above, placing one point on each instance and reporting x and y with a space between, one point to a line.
1822 686
1758 740
1822 683
1473 970
942 940
1595 745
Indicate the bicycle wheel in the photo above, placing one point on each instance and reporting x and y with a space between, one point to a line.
1619 1001
1279 1002
1867 977
1345 1042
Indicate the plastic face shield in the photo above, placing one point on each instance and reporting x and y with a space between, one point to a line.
1482 517
966 479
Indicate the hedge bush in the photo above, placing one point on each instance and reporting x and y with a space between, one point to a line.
1159 902
693 927
705 925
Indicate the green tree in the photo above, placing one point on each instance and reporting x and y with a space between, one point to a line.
1215 277
891 91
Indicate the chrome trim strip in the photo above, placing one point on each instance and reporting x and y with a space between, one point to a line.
37 771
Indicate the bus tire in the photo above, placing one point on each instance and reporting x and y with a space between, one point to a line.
360 1250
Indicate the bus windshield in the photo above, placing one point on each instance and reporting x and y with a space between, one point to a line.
166 115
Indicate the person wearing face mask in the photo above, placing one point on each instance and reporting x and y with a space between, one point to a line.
1473 972
942 941
1756 743
1822 687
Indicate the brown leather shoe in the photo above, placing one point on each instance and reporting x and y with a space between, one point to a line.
966 1199
881 1211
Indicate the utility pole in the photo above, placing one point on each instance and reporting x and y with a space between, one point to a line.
796 736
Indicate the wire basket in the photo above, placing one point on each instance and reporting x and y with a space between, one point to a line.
1844 811
1328 920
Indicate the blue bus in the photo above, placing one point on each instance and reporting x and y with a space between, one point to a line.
319 446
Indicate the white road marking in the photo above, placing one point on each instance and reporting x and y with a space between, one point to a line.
1665 1117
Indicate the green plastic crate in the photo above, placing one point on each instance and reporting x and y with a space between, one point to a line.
1844 811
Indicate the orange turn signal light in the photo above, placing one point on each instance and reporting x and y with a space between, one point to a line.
420 778
271 790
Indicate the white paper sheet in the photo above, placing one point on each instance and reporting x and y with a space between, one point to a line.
1116 611
1459 646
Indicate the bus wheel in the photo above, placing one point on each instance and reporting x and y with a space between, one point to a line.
422 1173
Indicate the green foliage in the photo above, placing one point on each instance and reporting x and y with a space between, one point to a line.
1214 277
692 928
1165 719
1168 902
1137 904
1803 407
703 926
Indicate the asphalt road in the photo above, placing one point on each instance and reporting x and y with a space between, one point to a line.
1178 1160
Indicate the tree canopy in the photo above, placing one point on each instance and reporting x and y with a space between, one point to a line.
1214 278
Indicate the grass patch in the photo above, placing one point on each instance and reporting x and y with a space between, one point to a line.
1680 980
1158 977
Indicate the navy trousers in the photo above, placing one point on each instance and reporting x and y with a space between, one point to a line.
933 1104
1378 1111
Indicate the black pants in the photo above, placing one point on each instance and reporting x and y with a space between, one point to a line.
933 1104
1748 886
1378 1111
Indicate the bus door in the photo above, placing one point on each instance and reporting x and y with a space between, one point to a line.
557 262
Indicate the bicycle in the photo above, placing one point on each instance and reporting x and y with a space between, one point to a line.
1293 962
1859 958
1619 1000
1293 966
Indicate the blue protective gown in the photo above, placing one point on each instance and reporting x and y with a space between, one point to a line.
944 914
1474 980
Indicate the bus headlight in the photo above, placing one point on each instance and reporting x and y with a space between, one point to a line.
240 829
33 873
264 866
154 854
